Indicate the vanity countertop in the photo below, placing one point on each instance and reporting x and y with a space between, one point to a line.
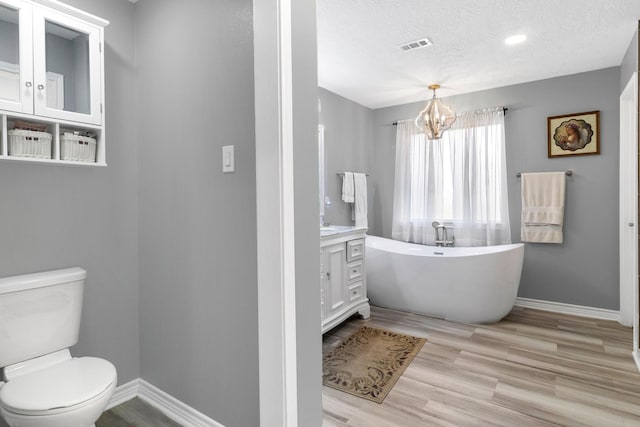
335 230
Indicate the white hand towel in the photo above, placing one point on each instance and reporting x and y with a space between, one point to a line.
543 197
360 181
348 188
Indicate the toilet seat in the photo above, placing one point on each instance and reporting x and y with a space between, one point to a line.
63 387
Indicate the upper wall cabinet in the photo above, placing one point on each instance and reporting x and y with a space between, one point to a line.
51 61
16 56
51 83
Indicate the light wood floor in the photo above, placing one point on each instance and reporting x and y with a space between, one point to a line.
532 369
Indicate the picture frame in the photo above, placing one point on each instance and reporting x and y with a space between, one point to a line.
576 134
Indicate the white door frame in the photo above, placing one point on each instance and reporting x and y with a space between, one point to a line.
629 206
275 213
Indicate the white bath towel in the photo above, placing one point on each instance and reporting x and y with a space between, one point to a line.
348 188
360 206
542 207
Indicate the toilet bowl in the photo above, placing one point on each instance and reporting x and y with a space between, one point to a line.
42 385
70 393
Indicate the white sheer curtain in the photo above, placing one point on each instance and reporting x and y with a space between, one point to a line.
459 180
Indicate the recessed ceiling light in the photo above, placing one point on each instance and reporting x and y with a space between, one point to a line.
519 38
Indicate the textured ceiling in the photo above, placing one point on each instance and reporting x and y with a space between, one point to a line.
359 55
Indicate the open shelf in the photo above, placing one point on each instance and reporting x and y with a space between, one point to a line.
49 161
56 128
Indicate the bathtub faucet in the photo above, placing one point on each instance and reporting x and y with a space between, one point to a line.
442 238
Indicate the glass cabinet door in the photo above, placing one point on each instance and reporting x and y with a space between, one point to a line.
16 64
66 68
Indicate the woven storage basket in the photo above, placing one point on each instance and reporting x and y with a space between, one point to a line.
28 143
77 148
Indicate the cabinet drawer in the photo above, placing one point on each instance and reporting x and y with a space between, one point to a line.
355 249
356 291
354 271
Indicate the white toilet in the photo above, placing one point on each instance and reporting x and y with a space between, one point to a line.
41 384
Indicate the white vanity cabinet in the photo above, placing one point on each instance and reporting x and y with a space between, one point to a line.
343 282
51 74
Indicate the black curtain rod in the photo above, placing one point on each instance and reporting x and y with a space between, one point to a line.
504 110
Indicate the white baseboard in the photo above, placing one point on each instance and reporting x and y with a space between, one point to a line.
124 392
169 405
576 310
173 408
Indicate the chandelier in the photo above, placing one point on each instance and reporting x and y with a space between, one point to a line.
436 117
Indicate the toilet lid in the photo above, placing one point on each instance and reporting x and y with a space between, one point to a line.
63 385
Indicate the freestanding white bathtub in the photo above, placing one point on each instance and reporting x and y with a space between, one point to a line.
470 285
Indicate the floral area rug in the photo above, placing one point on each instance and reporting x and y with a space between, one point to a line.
369 362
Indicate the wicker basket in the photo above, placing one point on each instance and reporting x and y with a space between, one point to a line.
28 143
77 148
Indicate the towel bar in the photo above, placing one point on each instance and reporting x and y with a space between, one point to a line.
567 173
342 174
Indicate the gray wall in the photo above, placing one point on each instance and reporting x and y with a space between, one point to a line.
56 216
630 62
583 270
348 138
198 292
305 136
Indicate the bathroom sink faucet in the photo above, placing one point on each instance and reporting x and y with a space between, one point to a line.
442 238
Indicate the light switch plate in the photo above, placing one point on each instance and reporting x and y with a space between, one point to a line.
228 160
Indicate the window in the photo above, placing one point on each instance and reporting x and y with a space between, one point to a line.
459 180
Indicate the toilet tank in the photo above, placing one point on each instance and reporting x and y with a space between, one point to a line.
39 313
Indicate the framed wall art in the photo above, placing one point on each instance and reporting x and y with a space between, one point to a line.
574 134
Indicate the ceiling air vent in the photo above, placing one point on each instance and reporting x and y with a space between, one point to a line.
417 44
